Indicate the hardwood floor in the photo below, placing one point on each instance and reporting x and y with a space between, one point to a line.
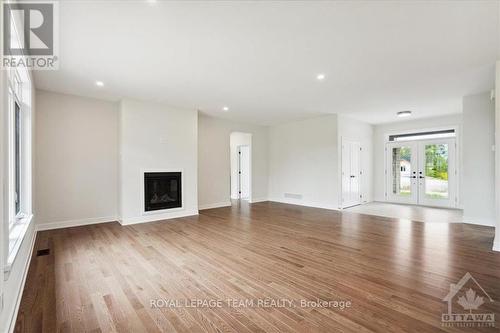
103 278
410 212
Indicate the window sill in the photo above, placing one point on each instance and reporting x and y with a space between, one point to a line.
16 236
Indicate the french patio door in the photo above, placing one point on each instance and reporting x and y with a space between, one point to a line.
422 172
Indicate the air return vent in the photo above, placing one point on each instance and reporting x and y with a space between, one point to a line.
44 252
293 196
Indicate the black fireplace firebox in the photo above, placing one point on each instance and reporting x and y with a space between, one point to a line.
162 190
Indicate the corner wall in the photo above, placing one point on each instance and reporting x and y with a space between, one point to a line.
478 139
77 160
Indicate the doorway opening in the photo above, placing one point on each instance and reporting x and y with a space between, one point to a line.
421 169
241 166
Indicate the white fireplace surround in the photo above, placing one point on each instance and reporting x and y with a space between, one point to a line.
156 138
168 210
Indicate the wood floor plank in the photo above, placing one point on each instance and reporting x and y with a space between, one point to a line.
105 277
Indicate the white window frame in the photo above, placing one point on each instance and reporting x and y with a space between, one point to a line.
19 92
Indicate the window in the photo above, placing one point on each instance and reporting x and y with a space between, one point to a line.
17 159
423 135
17 94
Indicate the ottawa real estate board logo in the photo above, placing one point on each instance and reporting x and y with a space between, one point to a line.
466 302
30 34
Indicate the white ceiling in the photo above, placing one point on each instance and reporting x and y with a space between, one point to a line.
261 58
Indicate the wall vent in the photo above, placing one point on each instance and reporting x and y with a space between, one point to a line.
293 196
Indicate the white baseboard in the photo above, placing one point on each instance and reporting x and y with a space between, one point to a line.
74 223
215 205
258 200
157 217
304 203
13 318
489 222
496 242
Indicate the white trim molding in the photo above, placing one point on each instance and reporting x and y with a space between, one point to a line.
489 222
19 296
215 205
304 203
496 244
74 223
157 217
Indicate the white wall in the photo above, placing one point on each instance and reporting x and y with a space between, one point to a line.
155 137
237 139
77 160
303 162
379 146
358 131
214 160
478 195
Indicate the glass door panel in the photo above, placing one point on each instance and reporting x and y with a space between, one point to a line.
437 173
401 171
401 185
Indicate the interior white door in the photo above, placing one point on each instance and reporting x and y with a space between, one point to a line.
422 172
244 171
351 173
401 172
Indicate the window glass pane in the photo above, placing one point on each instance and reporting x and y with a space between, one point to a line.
436 171
401 171
423 135
17 158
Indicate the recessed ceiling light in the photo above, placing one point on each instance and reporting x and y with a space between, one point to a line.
99 83
404 114
321 76
225 108
151 2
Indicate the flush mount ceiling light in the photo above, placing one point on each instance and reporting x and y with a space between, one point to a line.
225 108
321 76
99 83
404 114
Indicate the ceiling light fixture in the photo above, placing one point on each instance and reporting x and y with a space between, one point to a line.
225 108
99 83
404 114
321 76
